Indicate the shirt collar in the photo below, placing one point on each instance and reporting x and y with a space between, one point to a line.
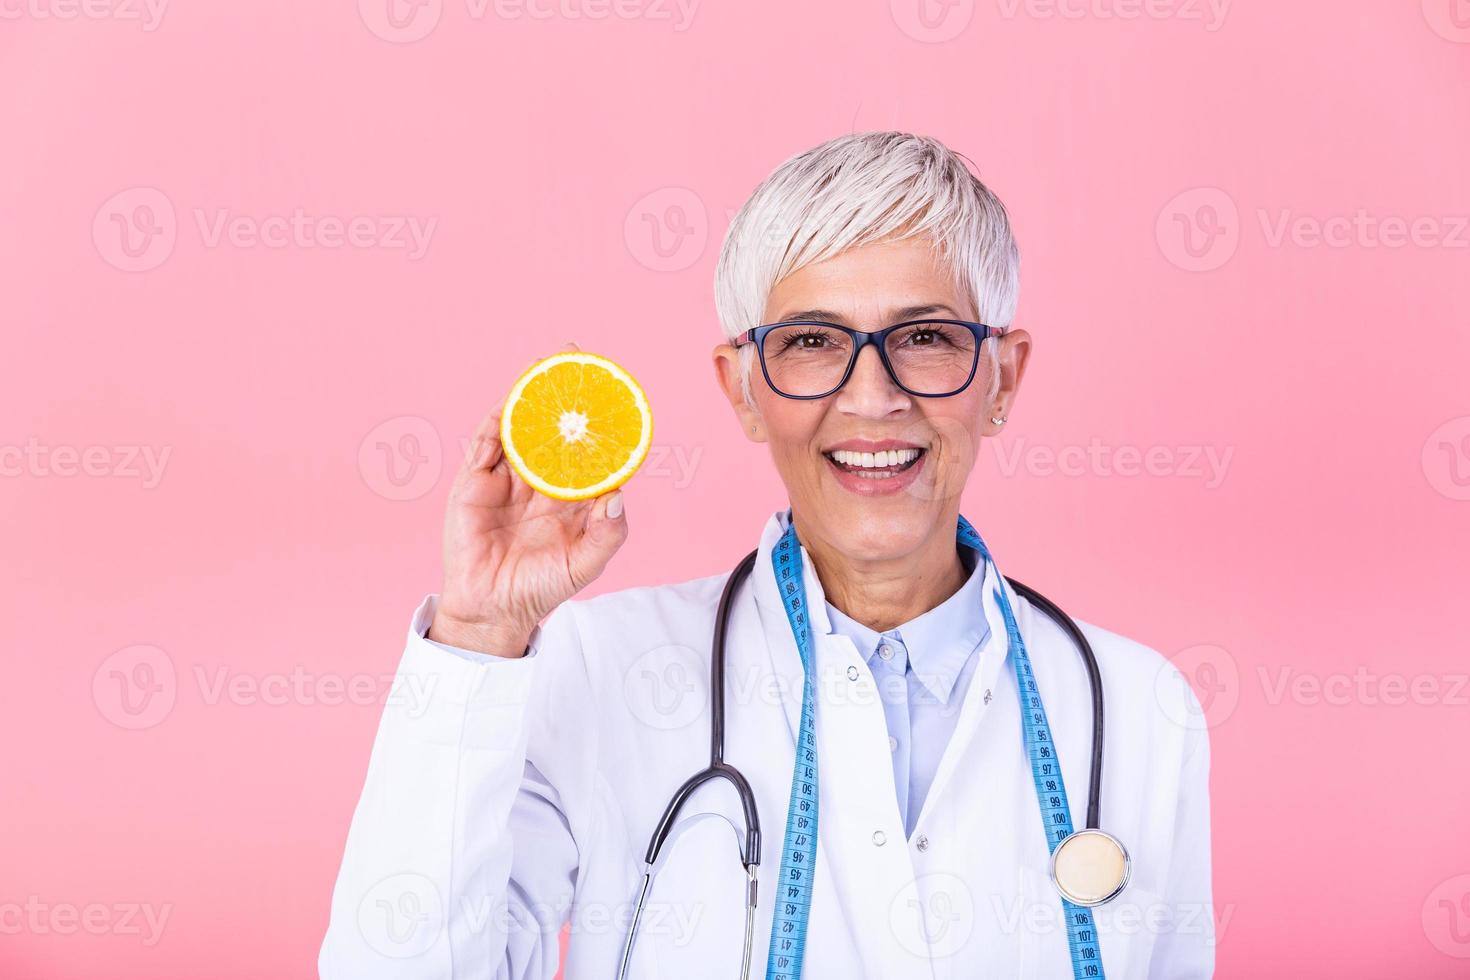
938 641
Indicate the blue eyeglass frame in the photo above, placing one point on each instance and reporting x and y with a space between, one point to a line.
757 335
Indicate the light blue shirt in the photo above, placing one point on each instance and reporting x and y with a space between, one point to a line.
922 669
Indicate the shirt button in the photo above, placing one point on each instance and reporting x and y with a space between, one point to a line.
922 843
892 744
852 673
885 651
879 838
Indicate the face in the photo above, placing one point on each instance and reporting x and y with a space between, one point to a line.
866 513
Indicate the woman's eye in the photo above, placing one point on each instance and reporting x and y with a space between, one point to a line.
926 337
808 341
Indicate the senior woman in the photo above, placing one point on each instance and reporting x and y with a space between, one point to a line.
902 723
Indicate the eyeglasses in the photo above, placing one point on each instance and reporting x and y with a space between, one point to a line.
812 358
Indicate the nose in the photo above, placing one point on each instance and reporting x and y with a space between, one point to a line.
869 391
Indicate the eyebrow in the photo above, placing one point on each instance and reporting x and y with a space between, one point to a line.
897 316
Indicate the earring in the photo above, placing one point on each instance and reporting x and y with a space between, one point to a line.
998 421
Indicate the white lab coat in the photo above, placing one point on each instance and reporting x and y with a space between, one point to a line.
505 798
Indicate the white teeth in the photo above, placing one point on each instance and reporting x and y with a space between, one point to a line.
879 460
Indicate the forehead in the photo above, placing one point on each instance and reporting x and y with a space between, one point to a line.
869 282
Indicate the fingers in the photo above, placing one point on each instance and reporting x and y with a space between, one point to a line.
484 450
606 530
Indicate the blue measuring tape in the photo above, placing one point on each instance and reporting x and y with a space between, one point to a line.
799 847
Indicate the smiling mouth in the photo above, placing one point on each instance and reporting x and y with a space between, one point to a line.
874 466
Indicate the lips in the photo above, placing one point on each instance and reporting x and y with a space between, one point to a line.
878 471
881 462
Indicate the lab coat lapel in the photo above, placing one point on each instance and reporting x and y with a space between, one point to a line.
982 691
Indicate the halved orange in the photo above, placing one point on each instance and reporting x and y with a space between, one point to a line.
576 425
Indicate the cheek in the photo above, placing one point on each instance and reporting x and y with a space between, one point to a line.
790 426
959 429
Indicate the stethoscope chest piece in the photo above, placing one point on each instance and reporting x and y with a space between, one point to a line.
1090 867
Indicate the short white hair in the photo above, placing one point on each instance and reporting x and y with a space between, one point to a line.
860 189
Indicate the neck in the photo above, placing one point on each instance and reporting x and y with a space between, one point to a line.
888 592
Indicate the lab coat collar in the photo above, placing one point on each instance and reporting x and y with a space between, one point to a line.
786 662
938 641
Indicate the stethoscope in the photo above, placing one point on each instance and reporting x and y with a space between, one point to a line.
1088 868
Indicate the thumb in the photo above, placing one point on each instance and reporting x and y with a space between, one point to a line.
606 530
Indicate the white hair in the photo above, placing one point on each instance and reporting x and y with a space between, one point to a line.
860 189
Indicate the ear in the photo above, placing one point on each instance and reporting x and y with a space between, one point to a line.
1015 350
727 372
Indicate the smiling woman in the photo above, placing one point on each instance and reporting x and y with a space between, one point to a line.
929 713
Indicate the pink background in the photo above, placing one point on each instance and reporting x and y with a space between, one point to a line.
311 399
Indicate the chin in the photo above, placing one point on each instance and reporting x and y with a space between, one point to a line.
881 528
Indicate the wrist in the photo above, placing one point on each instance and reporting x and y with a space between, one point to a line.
498 639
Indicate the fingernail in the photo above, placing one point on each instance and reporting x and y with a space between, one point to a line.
615 505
